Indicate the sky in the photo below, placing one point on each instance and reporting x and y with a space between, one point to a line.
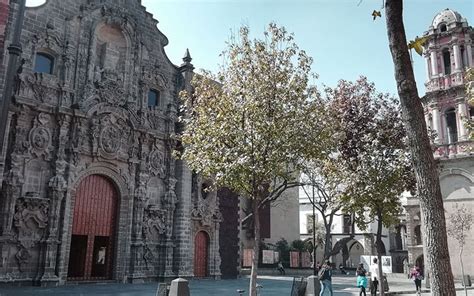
339 35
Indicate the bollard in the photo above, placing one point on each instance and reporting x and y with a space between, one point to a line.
179 287
162 290
313 287
467 280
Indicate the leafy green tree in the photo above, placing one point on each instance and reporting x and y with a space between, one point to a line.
253 129
322 184
372 155
426 171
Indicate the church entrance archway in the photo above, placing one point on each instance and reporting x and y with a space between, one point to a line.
201 254
93 230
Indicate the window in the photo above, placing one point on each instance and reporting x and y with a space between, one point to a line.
471 112
204 190
153 99
463 57
443 28
309 223
451 127
347 223
447 62
44 63
417 231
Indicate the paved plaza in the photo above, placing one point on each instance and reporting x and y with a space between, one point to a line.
271 286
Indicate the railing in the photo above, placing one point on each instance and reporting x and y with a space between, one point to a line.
457 149
444 81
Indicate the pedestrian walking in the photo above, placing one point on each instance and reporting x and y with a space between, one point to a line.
280 268
417 277
361 279
325 278
374 273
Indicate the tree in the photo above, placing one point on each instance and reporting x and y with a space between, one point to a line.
252 129
322 186
458 228
372 155
428 187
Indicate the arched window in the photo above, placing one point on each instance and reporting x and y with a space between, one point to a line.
418 240
44 63
443 28
471 112
153 99
451 127
447 61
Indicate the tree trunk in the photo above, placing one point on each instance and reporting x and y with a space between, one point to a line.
327 242
462 270
256 248
431 202
378 244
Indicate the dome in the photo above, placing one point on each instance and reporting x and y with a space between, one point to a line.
447 16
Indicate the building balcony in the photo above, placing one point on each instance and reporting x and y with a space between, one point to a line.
444 81
453 150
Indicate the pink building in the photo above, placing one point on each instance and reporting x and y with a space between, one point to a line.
448 53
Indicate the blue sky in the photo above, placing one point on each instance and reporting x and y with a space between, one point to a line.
340 35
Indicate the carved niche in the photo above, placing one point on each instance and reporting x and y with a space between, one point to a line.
30 221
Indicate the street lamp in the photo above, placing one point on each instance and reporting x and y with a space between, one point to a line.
14 52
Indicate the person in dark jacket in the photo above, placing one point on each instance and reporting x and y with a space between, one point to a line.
325 275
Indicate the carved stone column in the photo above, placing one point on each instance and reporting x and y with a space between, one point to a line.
57 189
170 204
136 265
49 247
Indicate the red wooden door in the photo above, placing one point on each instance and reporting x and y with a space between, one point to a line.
93 230
201 246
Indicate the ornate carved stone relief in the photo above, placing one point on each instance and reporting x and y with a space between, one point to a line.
156 160
109 135
40 136
39 86
30 221
154 223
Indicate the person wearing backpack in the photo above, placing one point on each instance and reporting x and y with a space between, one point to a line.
325 275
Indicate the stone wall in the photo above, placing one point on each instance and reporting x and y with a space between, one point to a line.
90 115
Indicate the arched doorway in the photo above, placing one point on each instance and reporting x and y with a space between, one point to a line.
93 230
201 254
356 250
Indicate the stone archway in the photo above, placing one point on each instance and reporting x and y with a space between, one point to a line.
93 230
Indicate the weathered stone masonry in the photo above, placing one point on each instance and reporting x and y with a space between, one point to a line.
91 116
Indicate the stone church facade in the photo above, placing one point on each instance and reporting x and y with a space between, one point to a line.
90 190
448 53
